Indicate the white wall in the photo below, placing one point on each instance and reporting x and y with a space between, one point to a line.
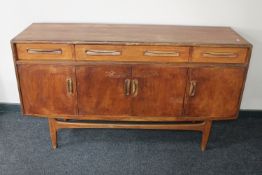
245 16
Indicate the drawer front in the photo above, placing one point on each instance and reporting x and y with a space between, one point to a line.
219 55
45 51
132 53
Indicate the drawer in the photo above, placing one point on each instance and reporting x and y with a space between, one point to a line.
132 53
45 51
219 55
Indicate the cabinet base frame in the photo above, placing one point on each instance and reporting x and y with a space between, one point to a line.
204 127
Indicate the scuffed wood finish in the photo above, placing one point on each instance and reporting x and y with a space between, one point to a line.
101 89
219 55
161 90
132 53
130 34
45 51
137 76
217 91
44 89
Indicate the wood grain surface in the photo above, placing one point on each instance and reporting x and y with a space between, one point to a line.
161 90
45 51
133 53
217 93
101 89
219 55
44 89
129 34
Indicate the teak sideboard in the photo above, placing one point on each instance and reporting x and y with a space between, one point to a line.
130 76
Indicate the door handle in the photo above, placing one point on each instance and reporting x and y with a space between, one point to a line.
134 87
192 88
127 87
69 82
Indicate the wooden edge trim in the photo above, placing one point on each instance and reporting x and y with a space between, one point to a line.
123 118
177 64
248 58
15 57
125 43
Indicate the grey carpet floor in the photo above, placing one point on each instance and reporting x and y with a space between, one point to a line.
235 147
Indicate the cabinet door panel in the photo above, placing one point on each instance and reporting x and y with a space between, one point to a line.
217 91
161 90
101 89
44 89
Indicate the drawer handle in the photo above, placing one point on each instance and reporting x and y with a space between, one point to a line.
134 87
41 51
127 87
192 88
69 86
162 53
220 54
103 52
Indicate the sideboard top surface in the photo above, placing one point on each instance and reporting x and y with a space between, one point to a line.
129 34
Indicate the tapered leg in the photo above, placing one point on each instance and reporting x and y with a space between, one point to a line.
205 134
53 132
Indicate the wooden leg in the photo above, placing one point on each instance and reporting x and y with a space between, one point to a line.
205 134
53 132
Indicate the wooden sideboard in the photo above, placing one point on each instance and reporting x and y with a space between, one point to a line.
130 76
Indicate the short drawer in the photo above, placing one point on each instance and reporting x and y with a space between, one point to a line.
132 53
45 51
219 55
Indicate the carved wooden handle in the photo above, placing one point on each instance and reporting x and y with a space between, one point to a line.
103 52
45 51
220 54
127 87
192 88
162 53
69 82
134 87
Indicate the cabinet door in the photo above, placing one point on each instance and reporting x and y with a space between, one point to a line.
215 92
102 89
48 89
160 90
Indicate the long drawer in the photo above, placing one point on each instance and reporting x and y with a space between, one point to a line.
132 53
